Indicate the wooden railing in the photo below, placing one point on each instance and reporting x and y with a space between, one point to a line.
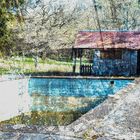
85 69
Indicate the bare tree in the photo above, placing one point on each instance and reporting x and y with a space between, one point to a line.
48 27
51 26
120 15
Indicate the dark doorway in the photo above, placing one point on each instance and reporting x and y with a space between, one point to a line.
138 63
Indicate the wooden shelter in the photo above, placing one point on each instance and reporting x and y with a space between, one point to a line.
115 52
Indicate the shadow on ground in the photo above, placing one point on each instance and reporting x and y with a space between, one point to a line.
53 73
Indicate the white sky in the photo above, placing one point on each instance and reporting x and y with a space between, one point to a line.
69 4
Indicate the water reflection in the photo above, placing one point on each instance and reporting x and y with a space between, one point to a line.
54 110
61 103
56 101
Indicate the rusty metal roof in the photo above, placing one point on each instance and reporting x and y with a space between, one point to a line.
108 39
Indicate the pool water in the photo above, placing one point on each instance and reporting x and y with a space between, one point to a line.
74 87
62 101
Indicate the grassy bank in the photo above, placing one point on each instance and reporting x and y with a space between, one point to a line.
26 65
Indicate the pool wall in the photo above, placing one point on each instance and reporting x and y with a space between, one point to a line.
14 98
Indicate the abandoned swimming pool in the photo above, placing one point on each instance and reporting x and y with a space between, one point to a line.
60 101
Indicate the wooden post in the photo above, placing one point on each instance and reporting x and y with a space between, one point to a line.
81 69
80 53
74 60
90 69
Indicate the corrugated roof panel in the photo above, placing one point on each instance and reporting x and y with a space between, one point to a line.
110 39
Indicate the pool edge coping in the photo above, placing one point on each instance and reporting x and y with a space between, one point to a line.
87 77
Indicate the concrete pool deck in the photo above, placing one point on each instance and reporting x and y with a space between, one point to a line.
118 117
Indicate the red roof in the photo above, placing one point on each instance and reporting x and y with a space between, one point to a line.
108 39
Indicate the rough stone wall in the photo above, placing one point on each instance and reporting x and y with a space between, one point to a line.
127 66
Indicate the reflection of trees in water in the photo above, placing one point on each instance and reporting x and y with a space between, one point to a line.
58 117
38 99
60 110
60 103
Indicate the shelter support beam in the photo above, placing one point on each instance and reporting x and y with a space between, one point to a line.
74 51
